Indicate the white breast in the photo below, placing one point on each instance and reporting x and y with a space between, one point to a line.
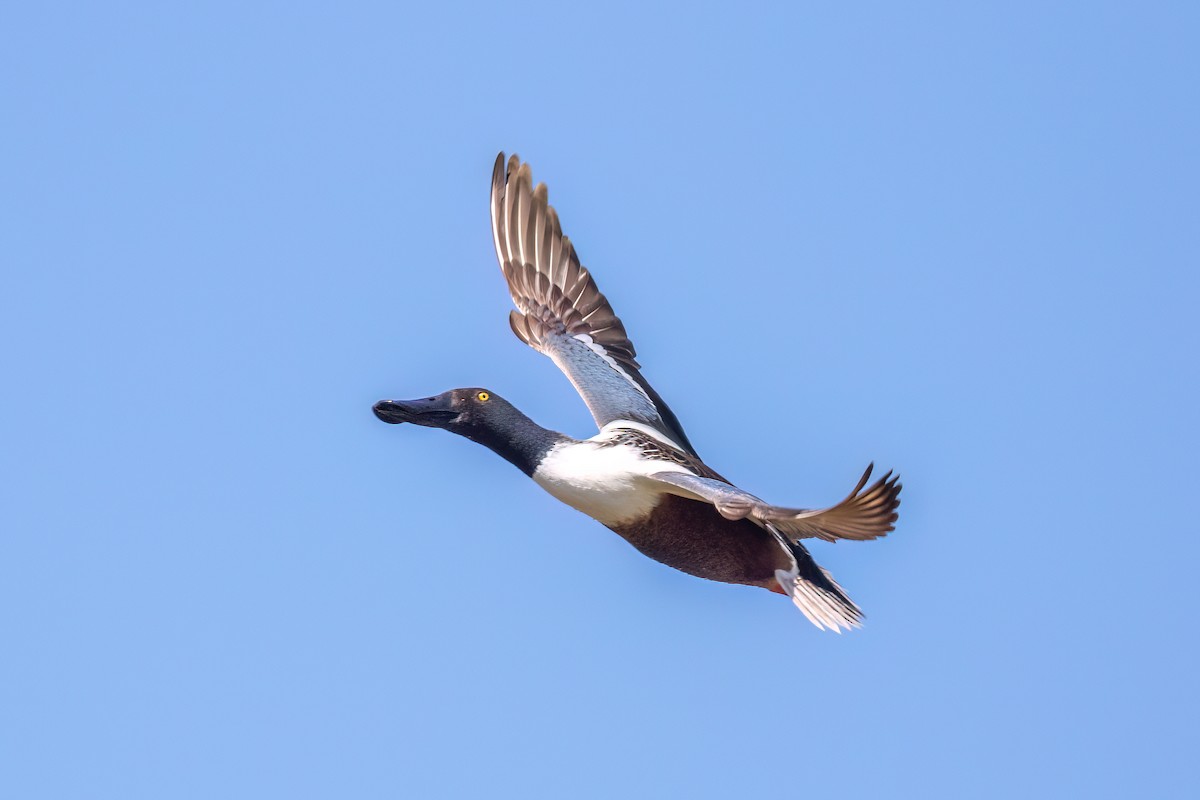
608 483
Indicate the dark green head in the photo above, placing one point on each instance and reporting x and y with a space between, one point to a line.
481 416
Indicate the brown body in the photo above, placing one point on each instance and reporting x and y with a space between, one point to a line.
692 537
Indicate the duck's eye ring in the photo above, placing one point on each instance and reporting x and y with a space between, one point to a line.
483 397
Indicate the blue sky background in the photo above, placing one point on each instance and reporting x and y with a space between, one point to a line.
959 242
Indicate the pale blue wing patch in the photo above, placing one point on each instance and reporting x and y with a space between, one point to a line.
605 385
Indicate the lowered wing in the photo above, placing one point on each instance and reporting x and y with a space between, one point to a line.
862 515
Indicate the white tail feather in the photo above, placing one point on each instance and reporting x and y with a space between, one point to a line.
824 608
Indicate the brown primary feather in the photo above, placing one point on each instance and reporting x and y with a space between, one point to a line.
860 517
542 269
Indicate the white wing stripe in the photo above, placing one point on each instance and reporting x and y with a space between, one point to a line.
600 351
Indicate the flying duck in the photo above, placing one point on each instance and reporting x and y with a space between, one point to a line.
639 476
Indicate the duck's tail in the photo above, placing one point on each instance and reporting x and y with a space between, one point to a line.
817 594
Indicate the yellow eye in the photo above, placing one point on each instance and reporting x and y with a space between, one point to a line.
483 397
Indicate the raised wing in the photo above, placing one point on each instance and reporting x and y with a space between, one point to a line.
862 515
561 313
